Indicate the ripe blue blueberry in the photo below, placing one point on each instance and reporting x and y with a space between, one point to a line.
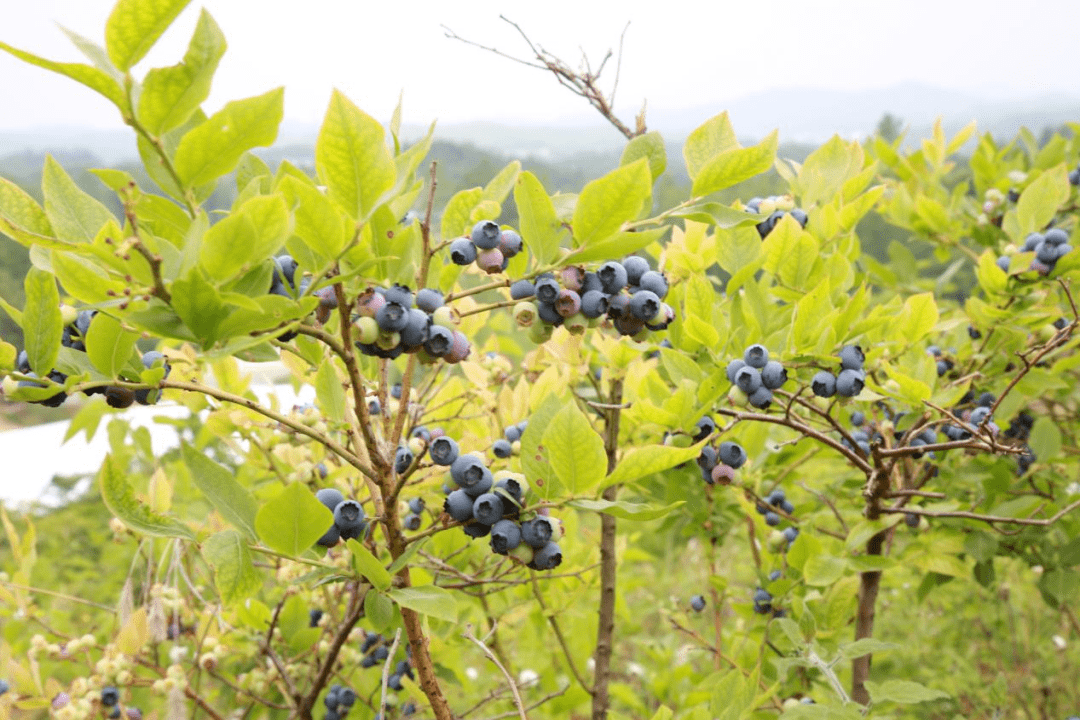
476 529
392 317
416 505
823 384
731 454
612 276
850 382
594 303
411 522
349 519
548 313
505 536
756 356
1033 241
488 508
707 460
439 341
522 289
733 368
485 235
548 557
653 282
772 519
468 471
748 379
443 451
773 375
536 533
644 305
636 266
705 427
402 459
462 251
547 290
110 696
512 433
761 398
911 519
790 533
1003 263
502 448
697 603
852 357
458 505
857 418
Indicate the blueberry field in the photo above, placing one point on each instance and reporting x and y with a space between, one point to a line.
613 453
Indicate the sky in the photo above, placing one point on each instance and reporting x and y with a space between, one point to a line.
676 54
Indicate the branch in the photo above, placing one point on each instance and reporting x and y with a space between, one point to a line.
1042 522
468 635
386 672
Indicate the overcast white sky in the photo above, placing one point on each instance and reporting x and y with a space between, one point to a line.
678 53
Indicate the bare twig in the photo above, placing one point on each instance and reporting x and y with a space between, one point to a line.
468 635
386 672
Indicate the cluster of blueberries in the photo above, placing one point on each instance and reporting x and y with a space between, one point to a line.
491 505
627 293
849 382
763 598
944 364
973 417
338 701
1020 430
74 337
1049 247
349 518
394 320
110 698
489 246
776 499
718 464
509 443
769 206
375 652
756 375
860 435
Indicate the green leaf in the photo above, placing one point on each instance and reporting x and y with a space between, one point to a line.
235 503
214 147
821 569
97 80
500 186
20 209
622 243
43 327
575 451
534 463
456 219
713 137
82 280
992 278
903 691
108 345
246 237
647 460
318 222
368 565
649 146
735 165
718 214
74 214
293 520
540 227
918 316
234 574
865 646
1046 439
626 510
379 611
352 159
135 25
199 305
1040 200
170 95
427 600
120 499
329 391
607 202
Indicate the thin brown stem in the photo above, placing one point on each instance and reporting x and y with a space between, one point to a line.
605 631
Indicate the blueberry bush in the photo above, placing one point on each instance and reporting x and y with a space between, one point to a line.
618 460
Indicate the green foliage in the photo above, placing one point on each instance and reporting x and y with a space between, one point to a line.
898 252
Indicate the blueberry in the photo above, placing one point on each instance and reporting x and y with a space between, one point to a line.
285 270
800 216
485 235
707 460
942 367
986 399
510 243
852 357
488 508
733 368
591 281
773 375
762 595
547 290
476 529
705 427
443 451
402 459
398 294
458 505
510 486
548 313
505 536
403 668
911 519
314 616
411 522
748 379
392 317
1003 263
731 454
347 697
462 251
522 289
654 282
119 397
501 448
416 506
613 277
761 398
756 356
1047 253
349 519
618 306
394 683
439 341
644 305
536 533
857 418
849 382
547 557
790 533
567 303
772 519
110 696
774 575
979 414
468 470
1032 241
697 603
